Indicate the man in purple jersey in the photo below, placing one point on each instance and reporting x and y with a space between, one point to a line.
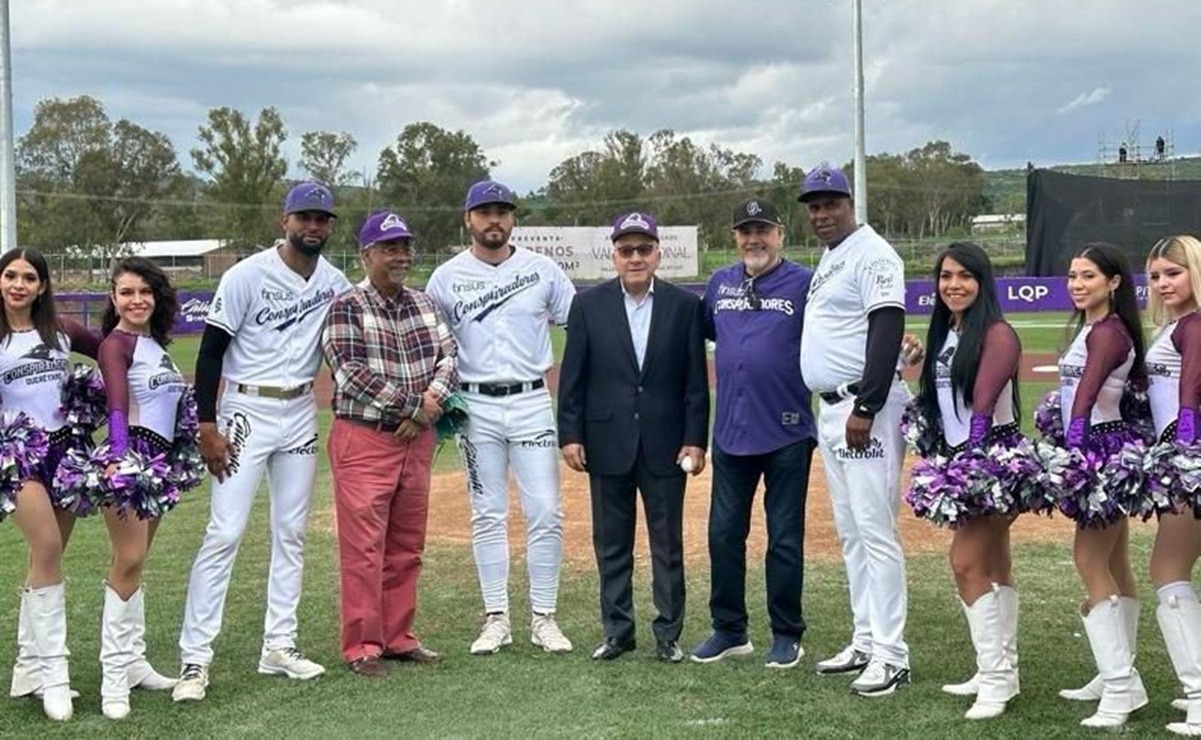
763 429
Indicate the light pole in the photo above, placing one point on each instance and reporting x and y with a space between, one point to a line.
860 145
8 172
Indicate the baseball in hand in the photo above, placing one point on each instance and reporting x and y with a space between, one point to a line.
686 464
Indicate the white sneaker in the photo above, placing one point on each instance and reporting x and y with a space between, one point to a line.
193 680
496 634
880 679
290 662
545 633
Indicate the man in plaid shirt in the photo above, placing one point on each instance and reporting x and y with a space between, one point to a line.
394 364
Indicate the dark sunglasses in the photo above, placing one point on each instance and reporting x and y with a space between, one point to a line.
753 299
627 250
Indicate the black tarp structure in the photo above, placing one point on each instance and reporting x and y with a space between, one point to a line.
1064 212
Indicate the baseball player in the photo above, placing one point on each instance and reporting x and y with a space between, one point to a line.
853 328
263 336
499 300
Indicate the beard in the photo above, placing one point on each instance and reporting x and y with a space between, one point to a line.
490 238
300 245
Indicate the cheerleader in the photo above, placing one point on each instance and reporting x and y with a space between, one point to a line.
1174 373
35 434
1094 470
975 461
140 460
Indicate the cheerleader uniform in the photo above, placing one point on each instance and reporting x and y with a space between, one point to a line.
1094 475
978 466
1174 375
38 393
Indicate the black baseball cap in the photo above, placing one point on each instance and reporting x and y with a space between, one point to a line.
757 211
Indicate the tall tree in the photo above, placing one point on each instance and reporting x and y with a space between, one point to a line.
245 165
90 185
425 175
323 154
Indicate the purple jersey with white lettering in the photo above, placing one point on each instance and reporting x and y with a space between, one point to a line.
762 402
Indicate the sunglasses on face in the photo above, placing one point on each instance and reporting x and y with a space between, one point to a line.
627 250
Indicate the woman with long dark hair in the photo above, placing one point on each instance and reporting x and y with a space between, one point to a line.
976 463
148 459
1174 375
45 417
1094 471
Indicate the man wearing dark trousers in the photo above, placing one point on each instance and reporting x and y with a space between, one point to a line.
634 415
764 429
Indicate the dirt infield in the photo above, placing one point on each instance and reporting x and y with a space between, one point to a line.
450 517
449 521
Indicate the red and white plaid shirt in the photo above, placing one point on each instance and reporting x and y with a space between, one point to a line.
385 353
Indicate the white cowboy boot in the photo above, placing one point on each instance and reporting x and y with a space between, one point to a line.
994 671
1180 622
48 621
141 674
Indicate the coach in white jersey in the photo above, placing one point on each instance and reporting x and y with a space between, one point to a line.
500 301
263 336
854 324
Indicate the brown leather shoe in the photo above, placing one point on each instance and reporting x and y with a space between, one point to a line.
420 654
370 666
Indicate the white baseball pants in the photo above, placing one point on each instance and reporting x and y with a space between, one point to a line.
279 437
514 432
865 491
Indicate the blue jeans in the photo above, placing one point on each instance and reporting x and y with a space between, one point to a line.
785 473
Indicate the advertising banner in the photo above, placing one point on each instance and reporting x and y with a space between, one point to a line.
585 252
1018 294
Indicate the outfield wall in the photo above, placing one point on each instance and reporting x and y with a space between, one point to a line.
1018 295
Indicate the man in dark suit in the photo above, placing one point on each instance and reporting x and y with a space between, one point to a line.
634 415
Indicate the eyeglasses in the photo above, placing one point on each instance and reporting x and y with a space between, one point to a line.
753 299
627 250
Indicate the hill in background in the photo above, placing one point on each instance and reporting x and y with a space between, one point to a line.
1006 189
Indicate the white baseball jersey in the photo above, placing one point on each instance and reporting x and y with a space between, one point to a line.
500 314
860 275
275 318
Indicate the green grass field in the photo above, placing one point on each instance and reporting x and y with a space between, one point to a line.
525 693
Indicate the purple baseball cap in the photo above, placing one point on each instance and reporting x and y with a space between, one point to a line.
309 196
383 227
635 223
487 192
824 180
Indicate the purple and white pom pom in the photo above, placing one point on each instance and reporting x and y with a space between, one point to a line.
1048 418
1100 488
80 485
186 464
83 401
1042 496
1135 408
1173 475
933 495
972 484
917 431
23 447
140 485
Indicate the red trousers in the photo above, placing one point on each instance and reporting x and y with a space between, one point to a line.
381 497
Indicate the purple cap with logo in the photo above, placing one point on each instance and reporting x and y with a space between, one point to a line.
383 227
635 223
309 196
488 192
825 180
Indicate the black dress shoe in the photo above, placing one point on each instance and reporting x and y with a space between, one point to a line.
669 652
612 649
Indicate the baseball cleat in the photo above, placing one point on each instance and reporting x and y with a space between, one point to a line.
880 679
290 662
193 680
849 660
496 634
545 633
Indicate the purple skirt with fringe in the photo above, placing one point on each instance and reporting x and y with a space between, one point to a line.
23 447
1173 471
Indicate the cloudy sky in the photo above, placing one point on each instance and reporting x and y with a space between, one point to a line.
537 81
